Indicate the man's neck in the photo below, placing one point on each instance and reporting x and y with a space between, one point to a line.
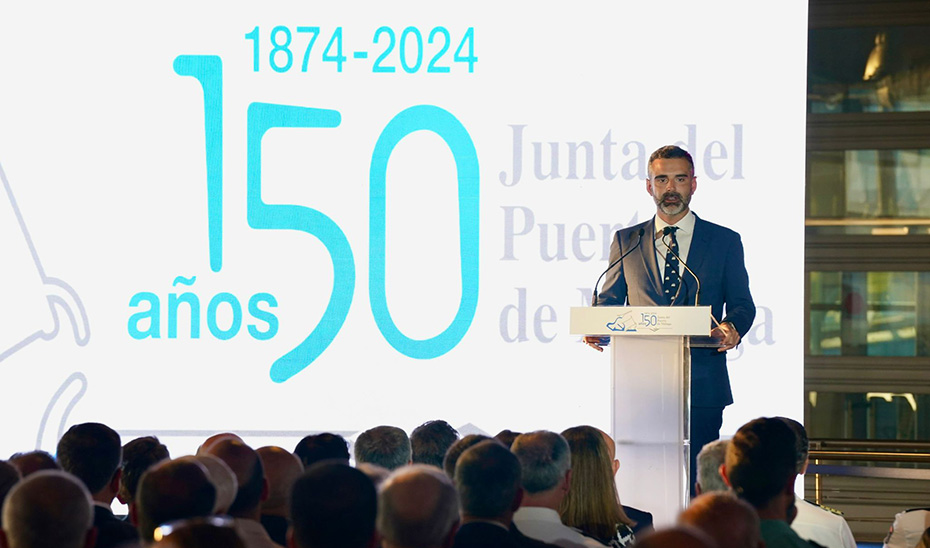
547 499
104 497
672 219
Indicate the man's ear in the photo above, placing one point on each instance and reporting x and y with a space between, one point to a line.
649 186
91 539
567 482
291 543
133 514
266 491
517 499
616 465
114 481
723 474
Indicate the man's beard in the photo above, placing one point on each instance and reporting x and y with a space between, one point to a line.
673 208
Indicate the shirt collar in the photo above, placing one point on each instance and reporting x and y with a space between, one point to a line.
685 224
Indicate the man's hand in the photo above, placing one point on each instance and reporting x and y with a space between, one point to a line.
597 343
727 335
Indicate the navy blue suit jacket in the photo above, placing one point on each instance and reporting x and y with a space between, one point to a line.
716 256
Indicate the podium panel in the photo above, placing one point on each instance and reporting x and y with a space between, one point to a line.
651 391
651 422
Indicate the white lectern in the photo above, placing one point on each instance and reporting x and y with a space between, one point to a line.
651 392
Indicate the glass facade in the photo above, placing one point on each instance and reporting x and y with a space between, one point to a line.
870 69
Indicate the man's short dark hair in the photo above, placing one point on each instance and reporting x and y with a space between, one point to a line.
487 477
333 505
317 447
802 448
92 452
456 450
670 152
386 446
431 440
33 461
760 460
138 455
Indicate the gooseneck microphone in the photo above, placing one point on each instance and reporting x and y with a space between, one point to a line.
613 264
697 295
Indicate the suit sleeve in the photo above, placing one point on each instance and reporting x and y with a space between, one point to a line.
740 309
614 291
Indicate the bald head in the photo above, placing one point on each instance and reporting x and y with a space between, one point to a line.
208 443
677 537
222 478
417 508
731 522
171 490
33 461
250 475
49 508
282 469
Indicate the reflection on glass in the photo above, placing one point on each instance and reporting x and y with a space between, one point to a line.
869 69
872 415
866 314
856 185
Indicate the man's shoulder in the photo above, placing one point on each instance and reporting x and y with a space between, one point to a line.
778 534
714 229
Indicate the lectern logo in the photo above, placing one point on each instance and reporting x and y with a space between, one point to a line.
624 323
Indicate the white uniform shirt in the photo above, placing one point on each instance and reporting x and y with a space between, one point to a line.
545 524
822 526
907 529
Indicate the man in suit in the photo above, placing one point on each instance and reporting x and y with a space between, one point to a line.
654 273
93 452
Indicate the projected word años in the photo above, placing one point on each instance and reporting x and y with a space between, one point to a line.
263 215
223 308
286 48
606 159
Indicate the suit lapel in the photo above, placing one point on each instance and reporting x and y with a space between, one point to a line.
700 245
651 262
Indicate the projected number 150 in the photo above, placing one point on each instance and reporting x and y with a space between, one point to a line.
207 69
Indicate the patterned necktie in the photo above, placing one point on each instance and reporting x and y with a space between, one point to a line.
671 279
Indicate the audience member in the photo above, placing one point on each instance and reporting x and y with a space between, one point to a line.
207 443
430 441
48 509
731 522
642 520
506 437
592 505
316 447
545 467
93 453
487 476
377 474
209 532
386 446
139 455
223 480
333 506
908 528
814 522
456 450
709 461
677 537
9 476
282 468
761 467
33 461
253 490
172 490
417 508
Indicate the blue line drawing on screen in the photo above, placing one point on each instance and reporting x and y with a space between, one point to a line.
26 290
54 410
623 323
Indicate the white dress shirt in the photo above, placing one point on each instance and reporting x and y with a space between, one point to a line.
683 236
545 524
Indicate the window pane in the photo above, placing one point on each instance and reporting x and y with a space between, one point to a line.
856 191
873 415
869 70
865 314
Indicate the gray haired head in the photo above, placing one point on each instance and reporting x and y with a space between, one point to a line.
545 458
